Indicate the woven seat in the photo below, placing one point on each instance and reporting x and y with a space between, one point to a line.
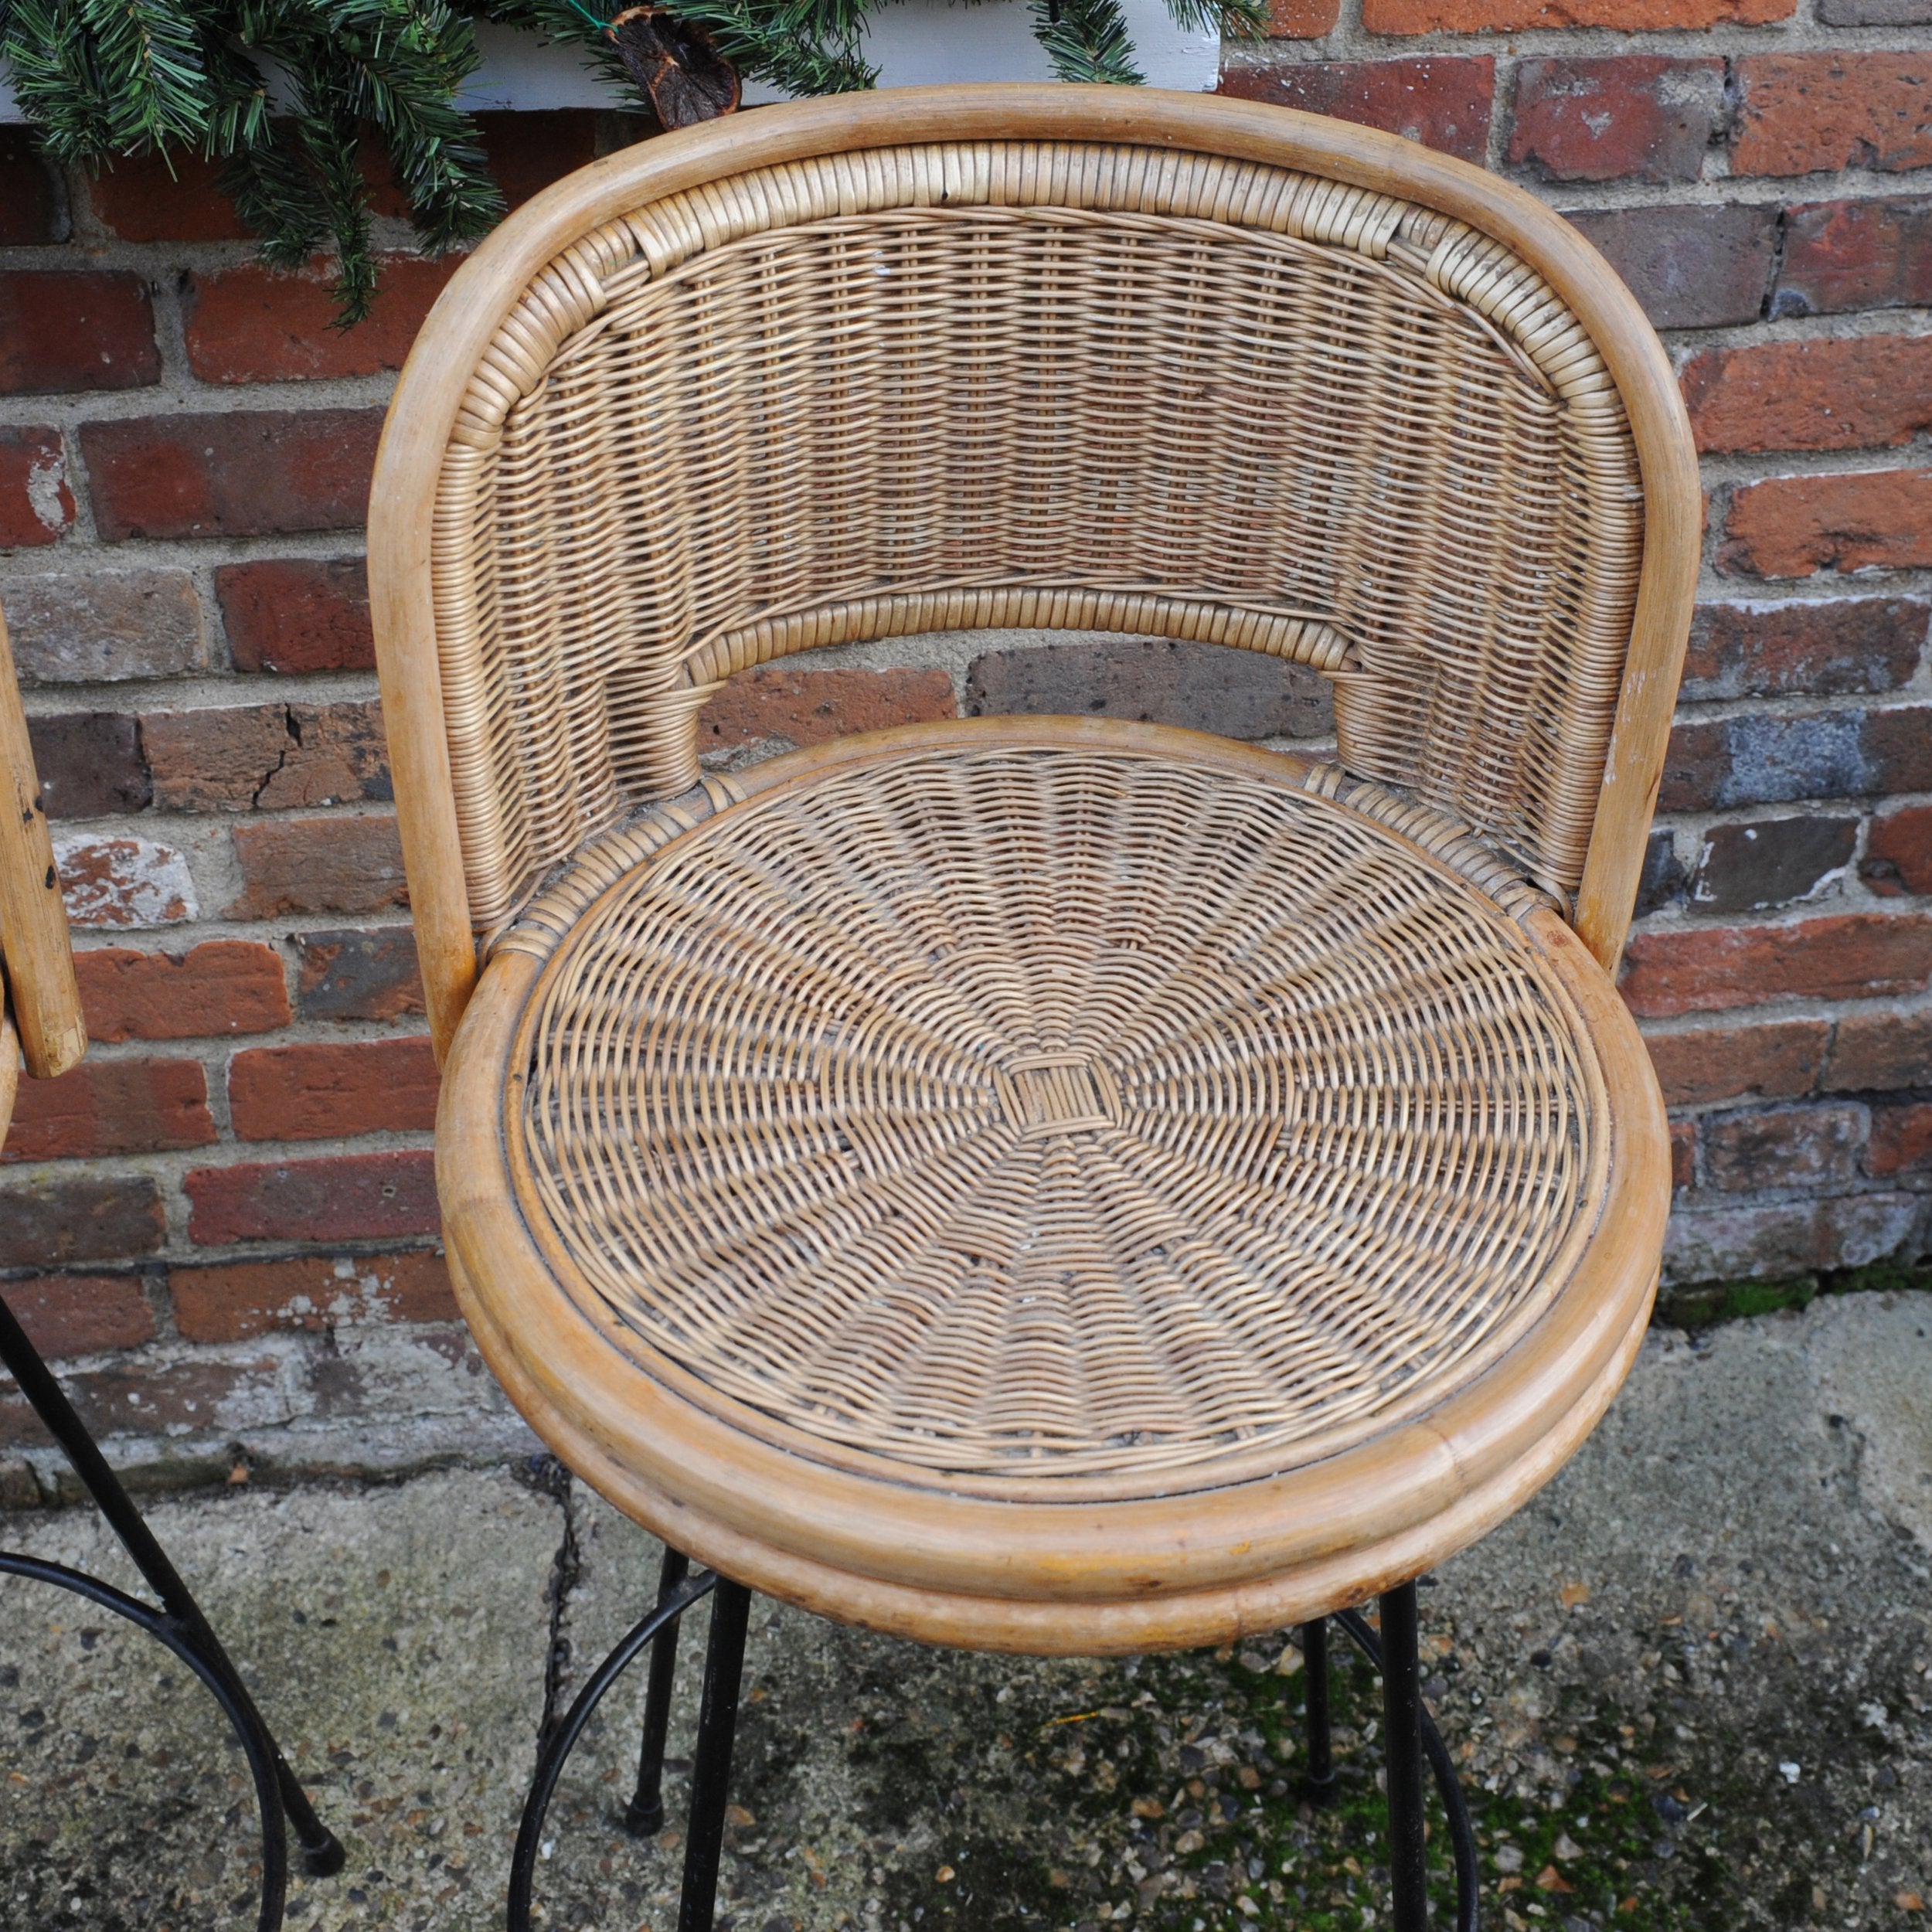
1055 1121
1050 1184
1019 1132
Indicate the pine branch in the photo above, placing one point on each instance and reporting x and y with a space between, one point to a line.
804 46
1087 40
399 63
1233 19
102 79
153 52
803 49
56 81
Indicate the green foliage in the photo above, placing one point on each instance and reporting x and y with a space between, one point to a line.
1704 1304
287 95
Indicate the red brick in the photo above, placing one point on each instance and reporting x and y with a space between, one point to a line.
37 504
253 324
70 1219
230 1302
1848 956
1518 16
1757 1239
783 703
1897 746
175 198
1898 854
221 987
1841 255
1302 19
351 1197
1802 113
124 882
1868 391
67 1315
301 614
318 866
1691 264
1877 1052
174 1398
327 1092
367 973
1901 1141
1773 1062
90 763
239 473
33 205
91 626
1443 102
76 329
1793 526
1635 116
1683 1154
1799 1147
266 758
528 151
1198 687
111 1107
1754 864
1813 647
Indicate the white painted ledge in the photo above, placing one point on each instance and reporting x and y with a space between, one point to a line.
913 43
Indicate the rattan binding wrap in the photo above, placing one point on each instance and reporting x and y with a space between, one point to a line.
1082 1111
958 385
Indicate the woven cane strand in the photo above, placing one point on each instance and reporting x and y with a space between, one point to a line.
1055 384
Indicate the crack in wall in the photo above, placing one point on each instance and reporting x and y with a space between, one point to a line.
292 726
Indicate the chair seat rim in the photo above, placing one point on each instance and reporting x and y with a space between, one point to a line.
646 1437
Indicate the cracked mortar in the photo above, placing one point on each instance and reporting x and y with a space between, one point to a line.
1688 1688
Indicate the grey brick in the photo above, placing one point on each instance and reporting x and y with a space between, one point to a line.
1203 687
1692 266
106 626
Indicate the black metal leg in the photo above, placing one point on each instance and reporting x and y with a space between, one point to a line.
644 1815
1462 1837
557 1743
711 1769
1402 1720
322 1854
1318 1782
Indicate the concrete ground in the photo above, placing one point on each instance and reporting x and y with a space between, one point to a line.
1690 1687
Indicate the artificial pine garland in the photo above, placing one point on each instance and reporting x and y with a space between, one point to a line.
100 80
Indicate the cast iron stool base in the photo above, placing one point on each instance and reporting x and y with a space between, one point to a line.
177 1622
1411 1734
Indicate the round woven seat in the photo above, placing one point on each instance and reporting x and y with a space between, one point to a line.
980 1137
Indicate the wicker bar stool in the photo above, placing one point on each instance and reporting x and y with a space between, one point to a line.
1042 1185
41 1024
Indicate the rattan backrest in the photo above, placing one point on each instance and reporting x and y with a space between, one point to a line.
974 358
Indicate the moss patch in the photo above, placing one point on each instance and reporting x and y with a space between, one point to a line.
1704 1304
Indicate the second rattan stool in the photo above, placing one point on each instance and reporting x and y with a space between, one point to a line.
1053 1185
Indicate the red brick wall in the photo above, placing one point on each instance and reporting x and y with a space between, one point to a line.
225 1220
1760 172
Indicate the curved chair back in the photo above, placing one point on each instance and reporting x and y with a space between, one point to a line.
1051 357
39 999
